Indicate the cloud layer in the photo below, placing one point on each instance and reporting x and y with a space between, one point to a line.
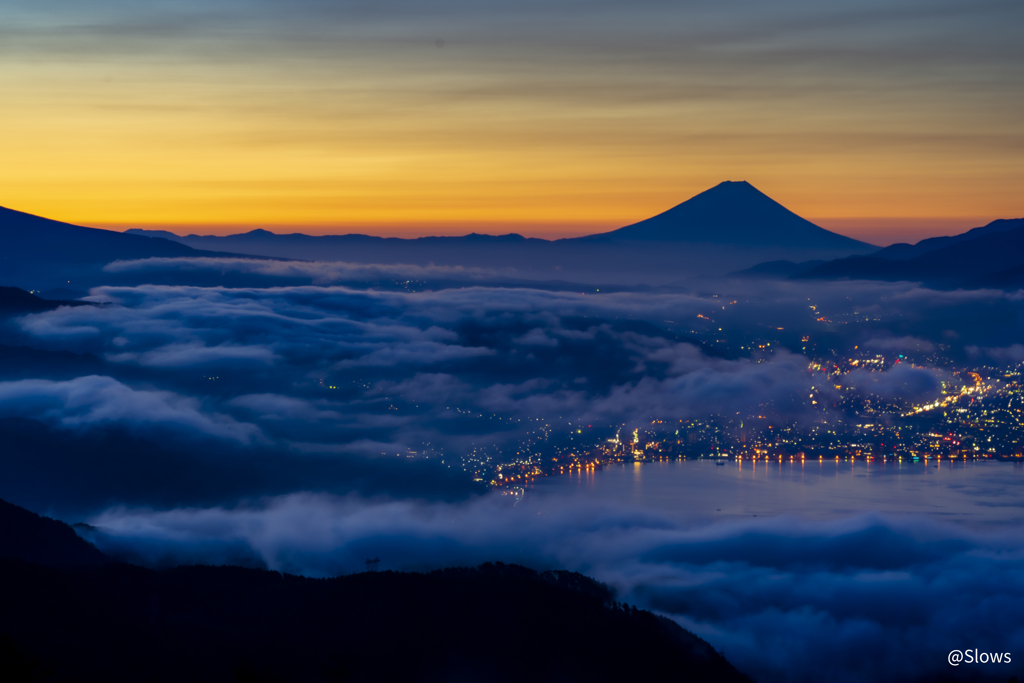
94 400
367 371
856 599
306 427
316 273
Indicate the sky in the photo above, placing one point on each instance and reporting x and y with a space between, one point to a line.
887 121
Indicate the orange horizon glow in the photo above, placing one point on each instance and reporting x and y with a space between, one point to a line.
380 128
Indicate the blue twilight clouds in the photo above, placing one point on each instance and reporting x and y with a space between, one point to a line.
305 427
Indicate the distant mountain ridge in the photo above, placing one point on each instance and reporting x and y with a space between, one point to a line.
730 226
24 232
15 301
991 258
39 253
320 241
902 251
776 269
732 212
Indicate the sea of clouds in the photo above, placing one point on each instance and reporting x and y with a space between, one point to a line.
864 598
272 426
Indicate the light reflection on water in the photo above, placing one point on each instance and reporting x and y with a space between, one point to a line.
972 493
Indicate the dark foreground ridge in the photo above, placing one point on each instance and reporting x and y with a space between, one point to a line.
41 540
496 622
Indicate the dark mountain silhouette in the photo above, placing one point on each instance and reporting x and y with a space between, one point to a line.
966 263
733 213
902 252
777 269
15 301
116 622
356 248
62 294
729 227
297 245
40 253
23 233
26 536
1011 278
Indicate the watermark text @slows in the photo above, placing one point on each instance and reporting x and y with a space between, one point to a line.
958 657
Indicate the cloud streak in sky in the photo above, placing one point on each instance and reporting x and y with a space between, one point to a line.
455 116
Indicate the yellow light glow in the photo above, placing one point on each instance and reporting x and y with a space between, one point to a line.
220 148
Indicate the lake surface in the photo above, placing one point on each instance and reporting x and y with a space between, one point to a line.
978 494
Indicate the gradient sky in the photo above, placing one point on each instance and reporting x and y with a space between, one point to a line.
883 120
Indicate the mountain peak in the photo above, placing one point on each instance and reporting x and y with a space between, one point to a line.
734 213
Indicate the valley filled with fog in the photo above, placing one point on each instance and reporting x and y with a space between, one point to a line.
305 428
